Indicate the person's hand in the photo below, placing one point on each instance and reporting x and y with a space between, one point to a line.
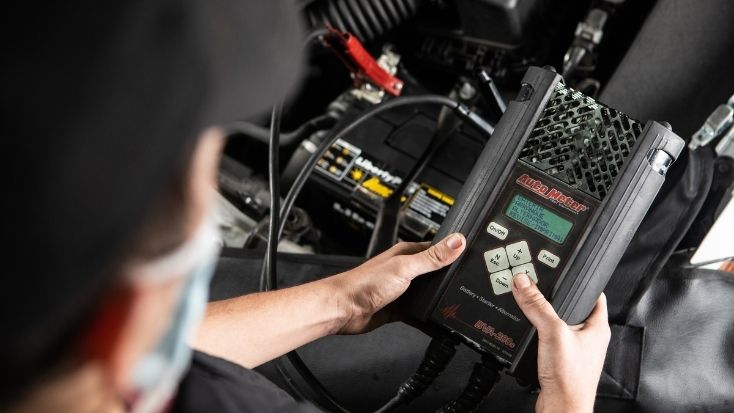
570 358
364 292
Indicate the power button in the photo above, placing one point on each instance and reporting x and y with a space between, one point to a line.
497 230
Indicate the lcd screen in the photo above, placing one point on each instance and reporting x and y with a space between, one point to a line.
538 218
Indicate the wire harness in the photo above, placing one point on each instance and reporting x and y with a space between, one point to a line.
483 378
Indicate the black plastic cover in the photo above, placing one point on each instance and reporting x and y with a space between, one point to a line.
598 250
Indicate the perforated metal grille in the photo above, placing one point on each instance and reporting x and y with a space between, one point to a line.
580 141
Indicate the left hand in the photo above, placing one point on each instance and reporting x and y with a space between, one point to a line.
365 291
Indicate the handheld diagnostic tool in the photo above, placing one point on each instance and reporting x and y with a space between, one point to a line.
557 193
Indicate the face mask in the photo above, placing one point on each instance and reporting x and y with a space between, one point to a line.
157 375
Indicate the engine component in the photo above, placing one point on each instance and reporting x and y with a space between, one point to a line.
237 183
362 65
509 20
725 146
366 19
359 172
467 56
715 125
588 36
243 208
239 230
491 94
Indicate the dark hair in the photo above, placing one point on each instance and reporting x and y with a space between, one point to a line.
164 227
98 123
162 230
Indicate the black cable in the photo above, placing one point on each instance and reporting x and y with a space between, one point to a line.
481 382
438 355
262 134
490 93
314 35
300 181
268 276
387 224
391 405
269 264
268 283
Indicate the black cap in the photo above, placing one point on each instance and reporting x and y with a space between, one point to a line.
100 102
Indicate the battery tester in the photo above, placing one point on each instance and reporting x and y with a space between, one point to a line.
557 194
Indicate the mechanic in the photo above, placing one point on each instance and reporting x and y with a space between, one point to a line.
112 110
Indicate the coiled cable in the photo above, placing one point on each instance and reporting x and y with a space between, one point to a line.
439 353
484 376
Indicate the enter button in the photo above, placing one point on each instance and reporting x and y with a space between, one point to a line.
548 258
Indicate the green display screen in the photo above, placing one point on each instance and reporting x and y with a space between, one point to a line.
538 218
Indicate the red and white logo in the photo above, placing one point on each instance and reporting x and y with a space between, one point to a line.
551 194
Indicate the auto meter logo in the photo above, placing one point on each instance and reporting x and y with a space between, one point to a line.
551 194
450 311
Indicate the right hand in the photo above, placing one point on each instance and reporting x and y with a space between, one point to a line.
570 358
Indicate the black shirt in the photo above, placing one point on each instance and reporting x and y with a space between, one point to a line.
217 385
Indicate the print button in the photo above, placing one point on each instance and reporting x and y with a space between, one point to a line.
548 258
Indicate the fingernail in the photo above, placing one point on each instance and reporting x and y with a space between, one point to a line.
521 280
454 241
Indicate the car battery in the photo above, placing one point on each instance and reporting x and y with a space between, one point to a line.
356 174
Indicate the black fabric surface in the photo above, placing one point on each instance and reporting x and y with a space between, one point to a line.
674 356
679 68
620 377
688 361
669 219
216 385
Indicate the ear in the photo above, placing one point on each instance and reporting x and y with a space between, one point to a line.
130 322
102 340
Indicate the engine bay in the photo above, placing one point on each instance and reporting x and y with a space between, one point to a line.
395 175
473 51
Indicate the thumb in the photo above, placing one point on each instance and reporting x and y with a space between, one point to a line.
433 258
534 305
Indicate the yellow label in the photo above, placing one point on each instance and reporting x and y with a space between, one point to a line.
356 174
439 195
374 185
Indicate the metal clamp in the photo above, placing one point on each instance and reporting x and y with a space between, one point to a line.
715 125
659 161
